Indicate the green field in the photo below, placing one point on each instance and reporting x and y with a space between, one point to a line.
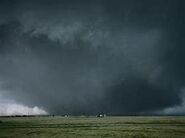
92 127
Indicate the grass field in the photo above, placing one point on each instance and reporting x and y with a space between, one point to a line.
92 127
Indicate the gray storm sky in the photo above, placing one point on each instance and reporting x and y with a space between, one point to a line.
88 57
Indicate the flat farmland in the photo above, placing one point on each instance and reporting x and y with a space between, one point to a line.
93 127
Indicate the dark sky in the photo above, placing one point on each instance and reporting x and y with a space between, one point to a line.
88 57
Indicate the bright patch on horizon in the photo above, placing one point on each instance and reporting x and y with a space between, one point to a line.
8 109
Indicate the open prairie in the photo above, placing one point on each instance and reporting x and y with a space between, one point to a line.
92 127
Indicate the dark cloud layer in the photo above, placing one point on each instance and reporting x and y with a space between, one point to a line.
79 57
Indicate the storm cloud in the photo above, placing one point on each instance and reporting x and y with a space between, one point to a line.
79 57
